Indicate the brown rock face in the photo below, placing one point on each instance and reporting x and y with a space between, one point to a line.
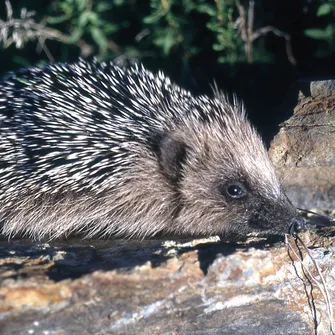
158 287
304 150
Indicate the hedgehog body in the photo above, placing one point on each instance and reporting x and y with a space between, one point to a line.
99 150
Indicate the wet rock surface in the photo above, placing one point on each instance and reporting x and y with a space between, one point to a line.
162 287
304 149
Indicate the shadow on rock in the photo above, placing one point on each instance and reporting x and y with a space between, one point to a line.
74 258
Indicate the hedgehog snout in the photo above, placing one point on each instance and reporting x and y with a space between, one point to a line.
297 225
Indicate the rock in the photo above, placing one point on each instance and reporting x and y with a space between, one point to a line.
160 287
304 150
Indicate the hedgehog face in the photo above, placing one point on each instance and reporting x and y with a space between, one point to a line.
223 186
252 208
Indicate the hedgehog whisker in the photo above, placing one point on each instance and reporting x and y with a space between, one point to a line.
315 213
323 220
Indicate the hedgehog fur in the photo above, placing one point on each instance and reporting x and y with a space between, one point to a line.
99 150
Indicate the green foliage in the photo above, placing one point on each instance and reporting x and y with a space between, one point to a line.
160 29
87 19
222 24
325 9
166 25
321 34
174 26
326 33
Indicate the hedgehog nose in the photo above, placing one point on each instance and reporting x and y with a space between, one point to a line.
296 226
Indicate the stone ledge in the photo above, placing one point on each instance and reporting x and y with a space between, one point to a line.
156 287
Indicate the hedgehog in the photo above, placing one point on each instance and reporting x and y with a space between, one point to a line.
99 150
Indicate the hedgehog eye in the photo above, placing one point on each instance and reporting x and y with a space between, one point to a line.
235 190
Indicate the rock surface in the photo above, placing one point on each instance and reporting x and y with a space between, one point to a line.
304 150
162 287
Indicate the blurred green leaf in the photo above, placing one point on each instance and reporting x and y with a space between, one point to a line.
104 6
320 34
153 18
207 9
165 40
66 6
84 19
81 4
99 37
325 9
58 19
119 2
110 28
75 35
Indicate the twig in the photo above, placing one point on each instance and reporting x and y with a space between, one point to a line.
245 22
24 29
310 298
250 30
267 29
322 287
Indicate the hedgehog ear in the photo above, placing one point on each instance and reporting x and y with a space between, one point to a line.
172 154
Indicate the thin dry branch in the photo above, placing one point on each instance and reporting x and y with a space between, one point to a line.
312 280
21 30
268 29
246 31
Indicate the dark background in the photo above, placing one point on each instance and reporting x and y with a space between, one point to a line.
193 41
